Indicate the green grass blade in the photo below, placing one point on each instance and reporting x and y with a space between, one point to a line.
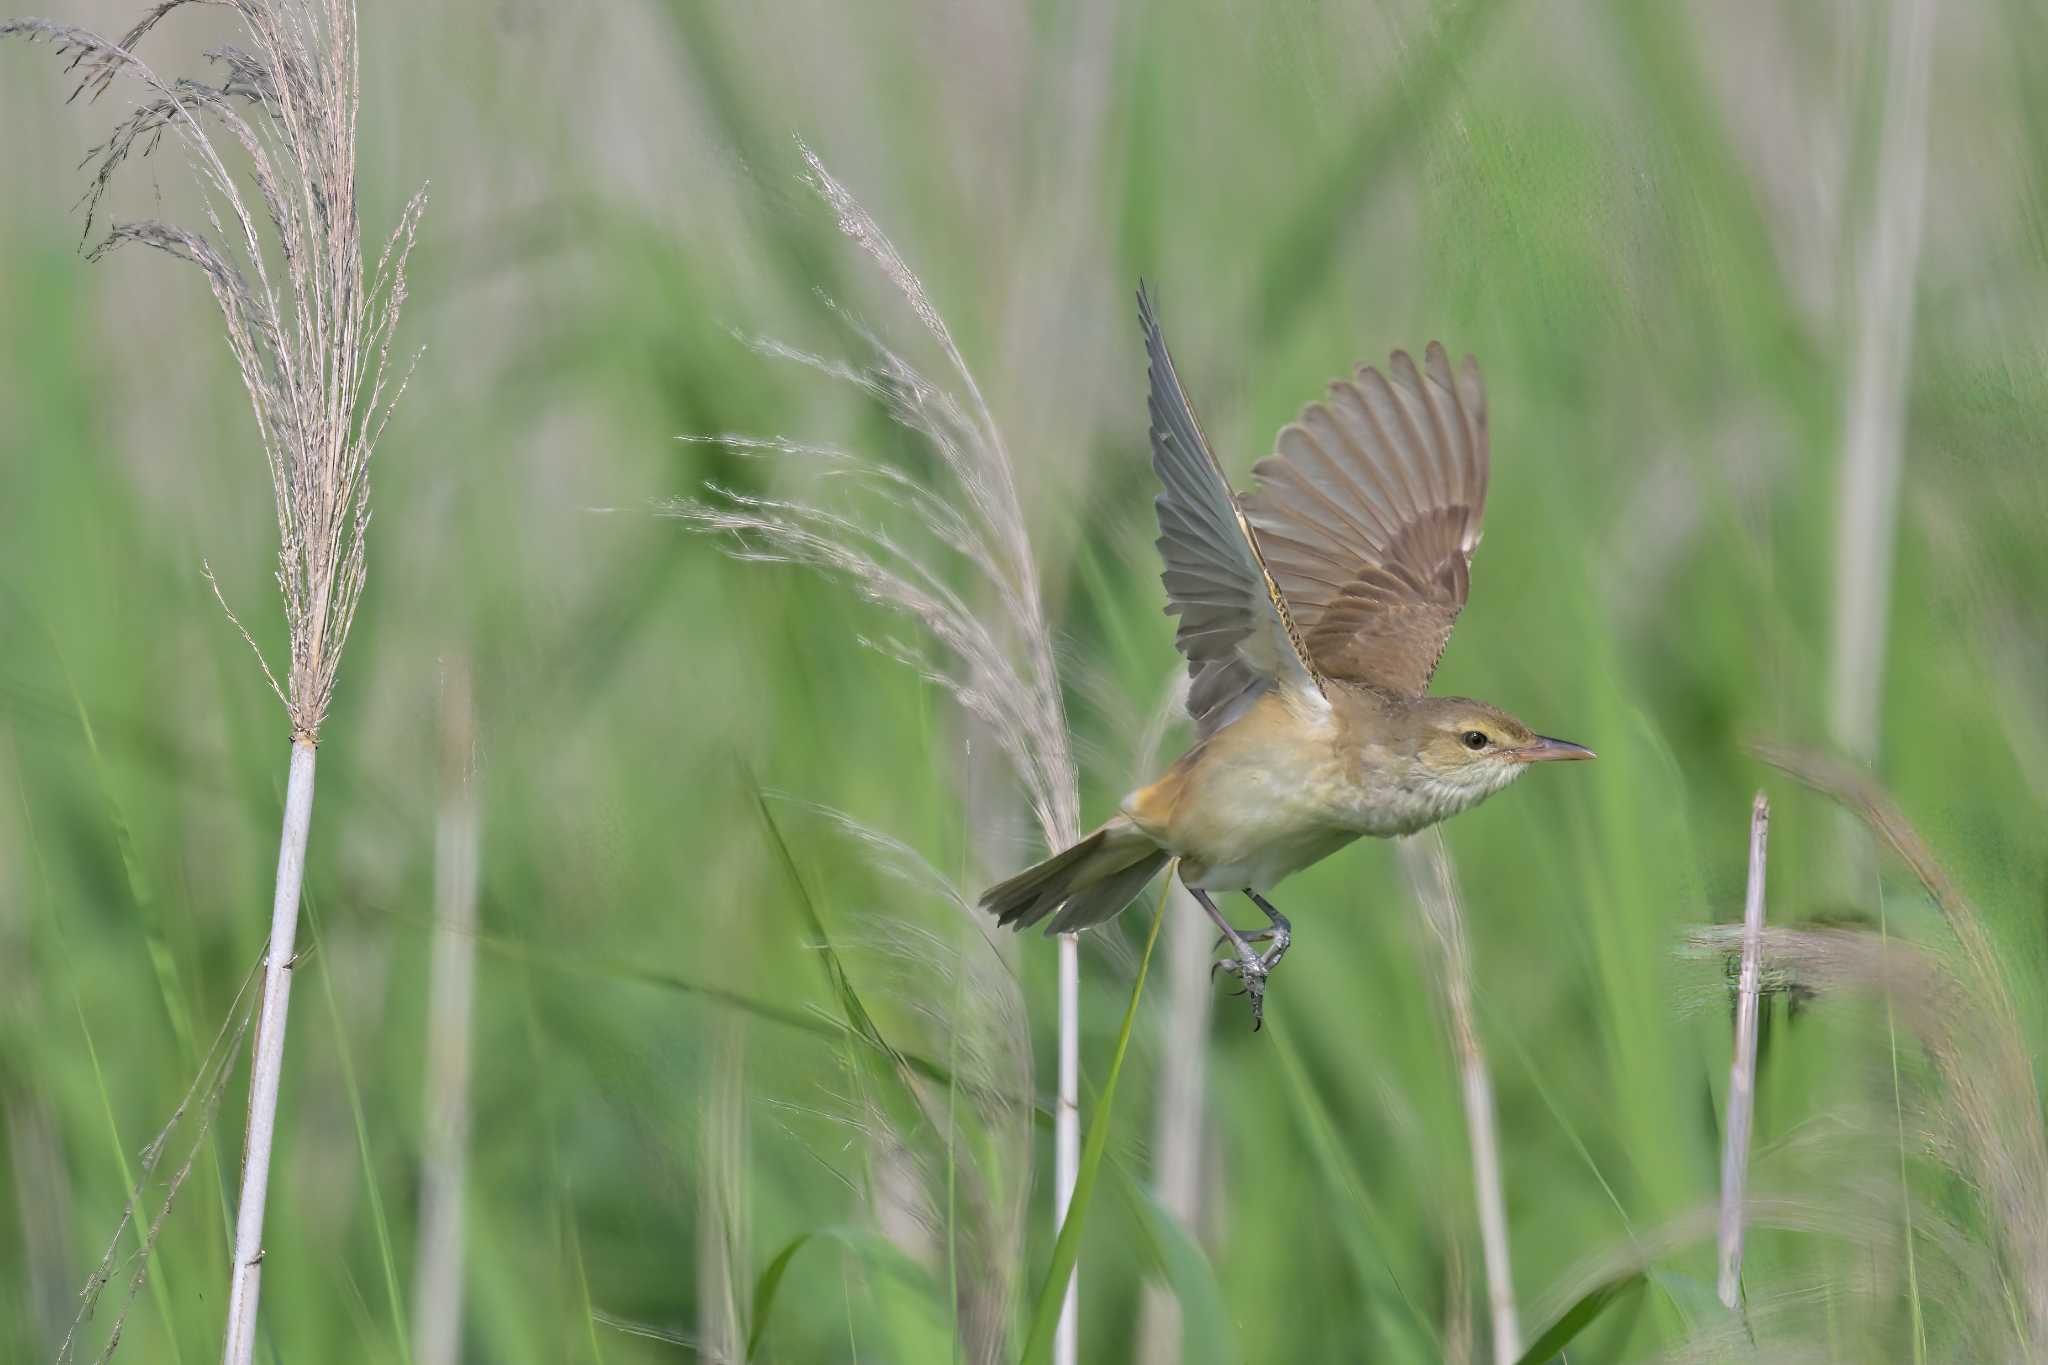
566 960
590 1315
1047 1315
1365 1231
870 1249
1299 256
135 874
363 1145
355 1108
1207 1336
159 1292
765 1287
1580 1316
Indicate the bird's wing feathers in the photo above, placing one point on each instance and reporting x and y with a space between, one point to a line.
1234 623
1367 515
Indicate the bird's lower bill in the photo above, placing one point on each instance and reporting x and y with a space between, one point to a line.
1548 750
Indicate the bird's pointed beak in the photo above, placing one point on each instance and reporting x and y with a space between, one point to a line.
1548 750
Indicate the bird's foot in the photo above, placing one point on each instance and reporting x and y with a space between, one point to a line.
1279 932
1254 969
1281 939
1279 935
1250 970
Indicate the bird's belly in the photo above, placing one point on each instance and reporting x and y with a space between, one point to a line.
1253 824
1268 864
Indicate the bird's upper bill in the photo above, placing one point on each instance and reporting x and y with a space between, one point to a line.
1544 749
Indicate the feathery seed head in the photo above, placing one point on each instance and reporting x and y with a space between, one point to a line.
312 340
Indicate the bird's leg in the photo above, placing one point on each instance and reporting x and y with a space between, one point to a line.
1278 929
1248 968
1280 932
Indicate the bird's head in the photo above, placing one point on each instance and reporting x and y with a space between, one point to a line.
1470 750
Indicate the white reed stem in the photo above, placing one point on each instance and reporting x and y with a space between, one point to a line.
1873 424
451 989
1177 1128
1067 1136
246 1272
1435 885
1742 1069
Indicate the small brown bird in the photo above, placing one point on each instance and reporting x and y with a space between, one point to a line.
1313 611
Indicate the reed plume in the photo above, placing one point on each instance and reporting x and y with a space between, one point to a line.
998 658
1961 1005
311 330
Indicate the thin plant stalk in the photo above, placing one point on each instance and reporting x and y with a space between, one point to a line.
310 329
1428 865
1067 1246
1179 1112
722 1307
451 991
245 1272
1873 428
1742 1069
1067 1136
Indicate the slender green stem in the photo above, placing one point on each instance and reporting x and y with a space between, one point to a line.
1899 1118
1068 1247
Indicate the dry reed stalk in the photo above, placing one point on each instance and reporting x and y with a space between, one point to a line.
314 351
1002 670
451 992
1873 436
1742 1068
1066 1163
1180 1114
722 1284
1434 883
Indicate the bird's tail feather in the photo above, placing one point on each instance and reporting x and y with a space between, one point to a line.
1087 884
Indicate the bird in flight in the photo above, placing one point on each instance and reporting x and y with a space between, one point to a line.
1313 611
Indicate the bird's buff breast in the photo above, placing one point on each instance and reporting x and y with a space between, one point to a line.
1251 816
1258 811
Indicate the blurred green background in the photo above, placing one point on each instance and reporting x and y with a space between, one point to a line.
1648 221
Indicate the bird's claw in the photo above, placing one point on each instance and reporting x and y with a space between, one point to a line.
1249 967
1251 974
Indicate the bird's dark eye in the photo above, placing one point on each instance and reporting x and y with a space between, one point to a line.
1475 740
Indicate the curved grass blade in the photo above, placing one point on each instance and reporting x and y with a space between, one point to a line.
1207 1336
1045 1317
1365 1229
869 1247
765 1287
1580 1316
560 959
378 1222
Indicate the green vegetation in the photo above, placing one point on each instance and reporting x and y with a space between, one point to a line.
750 1083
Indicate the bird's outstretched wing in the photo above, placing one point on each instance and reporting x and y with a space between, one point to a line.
1234 627
1367 515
